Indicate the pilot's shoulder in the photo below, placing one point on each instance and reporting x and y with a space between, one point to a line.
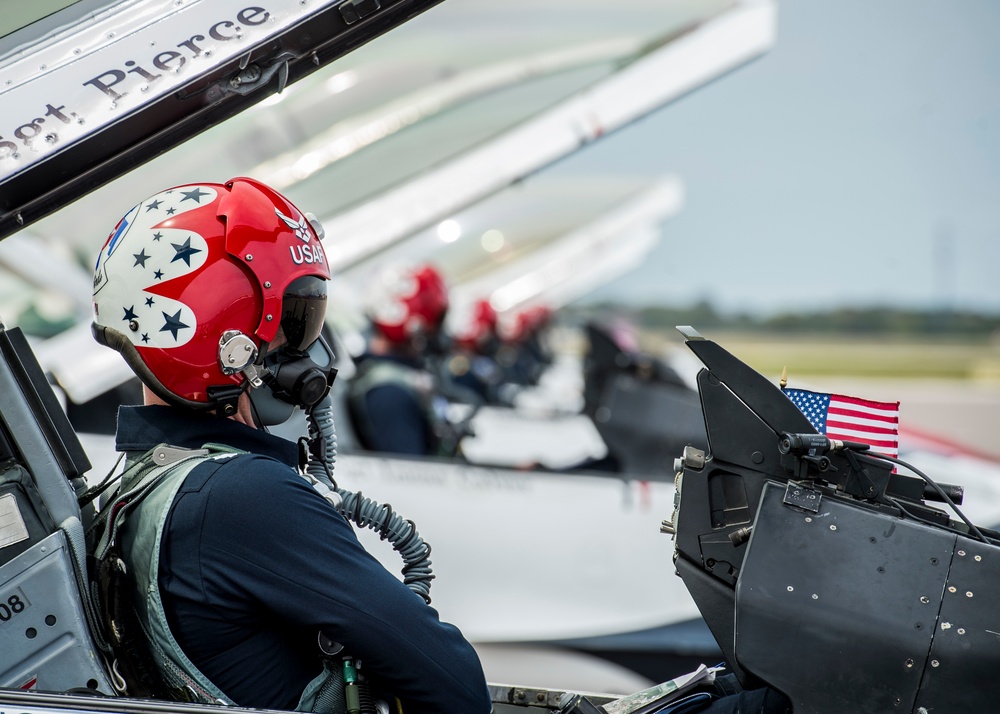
248 471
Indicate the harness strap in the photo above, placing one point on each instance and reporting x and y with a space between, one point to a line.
148 488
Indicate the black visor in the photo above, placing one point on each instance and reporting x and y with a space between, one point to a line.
303 310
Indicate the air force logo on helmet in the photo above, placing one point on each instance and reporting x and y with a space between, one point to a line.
303 253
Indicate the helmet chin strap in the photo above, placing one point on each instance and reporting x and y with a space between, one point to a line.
268 410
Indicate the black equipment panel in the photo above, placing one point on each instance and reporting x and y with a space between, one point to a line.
961 671
838 608
820 571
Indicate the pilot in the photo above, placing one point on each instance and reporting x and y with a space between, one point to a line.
471 364
397 400
523 354
215 295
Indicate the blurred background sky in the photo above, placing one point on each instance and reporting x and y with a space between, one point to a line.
855 164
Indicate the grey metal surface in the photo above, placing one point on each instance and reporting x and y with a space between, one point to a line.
23 428
43 633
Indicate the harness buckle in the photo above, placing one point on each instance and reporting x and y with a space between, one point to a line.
165 455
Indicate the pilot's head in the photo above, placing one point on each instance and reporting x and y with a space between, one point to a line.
213 290
473 327
406 305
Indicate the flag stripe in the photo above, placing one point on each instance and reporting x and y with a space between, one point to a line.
832 424
866 440
868 403
880 416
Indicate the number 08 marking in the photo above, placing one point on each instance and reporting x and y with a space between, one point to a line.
13 606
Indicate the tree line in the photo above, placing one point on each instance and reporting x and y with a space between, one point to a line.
853 320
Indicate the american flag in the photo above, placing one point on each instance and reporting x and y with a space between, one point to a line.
850 418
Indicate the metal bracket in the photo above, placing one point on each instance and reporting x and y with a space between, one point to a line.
166 455
358 10
253 76
236 351
799 496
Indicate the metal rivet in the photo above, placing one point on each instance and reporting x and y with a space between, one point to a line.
815 596
833 528
945 625
951 589
924 599
968 593
269 318
935 663
961 630
267 283
808 519
790 588
909 663
249 257
978 558
961 553
133 325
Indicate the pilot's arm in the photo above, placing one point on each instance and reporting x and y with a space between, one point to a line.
293 566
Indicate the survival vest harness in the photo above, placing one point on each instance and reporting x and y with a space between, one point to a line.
148 656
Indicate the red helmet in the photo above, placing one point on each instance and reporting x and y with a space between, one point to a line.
193 283
474 327
406 302
519 326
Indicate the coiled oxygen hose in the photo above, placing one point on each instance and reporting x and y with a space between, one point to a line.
402 534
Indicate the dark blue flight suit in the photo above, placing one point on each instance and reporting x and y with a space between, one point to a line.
254 563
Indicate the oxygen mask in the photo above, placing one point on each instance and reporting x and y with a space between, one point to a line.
293 378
